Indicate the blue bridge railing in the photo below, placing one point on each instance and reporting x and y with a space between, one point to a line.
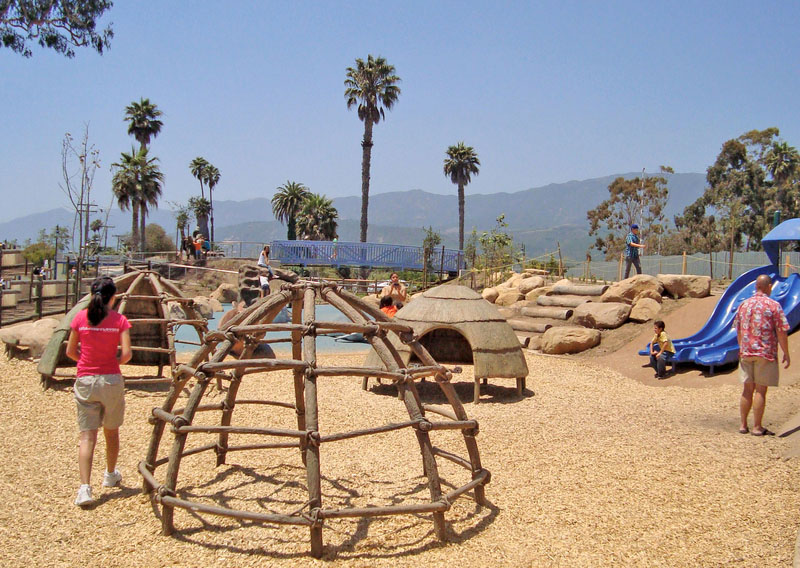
372 255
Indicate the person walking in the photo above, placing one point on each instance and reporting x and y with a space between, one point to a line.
99 387
760 327
632 246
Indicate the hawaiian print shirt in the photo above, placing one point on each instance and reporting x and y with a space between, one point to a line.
757 321
631 252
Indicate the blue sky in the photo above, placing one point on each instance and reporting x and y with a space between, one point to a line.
545 92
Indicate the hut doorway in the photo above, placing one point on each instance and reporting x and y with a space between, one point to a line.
447 345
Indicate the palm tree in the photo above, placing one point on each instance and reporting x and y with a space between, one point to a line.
136 184
198 168
212 179
143 123
460 164
317 220
782 161
371 86
286 204
201 207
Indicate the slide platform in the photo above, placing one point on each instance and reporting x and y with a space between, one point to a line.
715 344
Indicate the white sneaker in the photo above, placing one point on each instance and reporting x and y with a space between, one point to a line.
84 498
112 479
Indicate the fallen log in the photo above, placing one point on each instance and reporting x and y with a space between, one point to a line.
562 301
555 312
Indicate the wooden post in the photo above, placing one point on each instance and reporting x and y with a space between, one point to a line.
786 267
619 268
313 480
560 261
39 286
683 265
441 266
97 267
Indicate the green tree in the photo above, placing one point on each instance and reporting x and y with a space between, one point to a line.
181 219
286 204
639 200
460 164
157 239
55 24
201 207
371 87
429 243
136 184
36 253
497 245
318 219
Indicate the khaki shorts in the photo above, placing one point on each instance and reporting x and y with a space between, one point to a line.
759 371
100 400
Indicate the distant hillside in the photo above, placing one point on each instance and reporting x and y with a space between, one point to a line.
538 217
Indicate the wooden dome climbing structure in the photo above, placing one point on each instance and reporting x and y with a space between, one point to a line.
457 326
249 326
155 308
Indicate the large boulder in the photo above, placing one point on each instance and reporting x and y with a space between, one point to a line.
644 310
490 294
626 290
601 315
567 339
513 281
225 293
175 311
28 339
202 306
686 285
215 304
652 294
508 296
530 283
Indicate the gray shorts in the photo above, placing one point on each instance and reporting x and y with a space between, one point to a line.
101 401
759 371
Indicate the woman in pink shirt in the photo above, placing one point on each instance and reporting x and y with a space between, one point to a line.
99 386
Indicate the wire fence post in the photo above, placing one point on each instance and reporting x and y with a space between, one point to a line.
619 267
683 265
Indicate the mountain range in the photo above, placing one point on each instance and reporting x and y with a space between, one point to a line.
539 217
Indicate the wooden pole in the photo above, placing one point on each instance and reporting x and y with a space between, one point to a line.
39 286
441 266
619 267
683 265
786 267
560 261
312 424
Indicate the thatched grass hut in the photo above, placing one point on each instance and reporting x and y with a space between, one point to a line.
457 326
154 306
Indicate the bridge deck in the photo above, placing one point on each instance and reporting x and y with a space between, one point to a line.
372 255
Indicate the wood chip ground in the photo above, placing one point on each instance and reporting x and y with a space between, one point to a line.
593 469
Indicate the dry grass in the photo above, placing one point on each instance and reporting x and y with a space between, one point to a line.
594 469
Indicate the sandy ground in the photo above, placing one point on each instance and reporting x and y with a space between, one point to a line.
596 468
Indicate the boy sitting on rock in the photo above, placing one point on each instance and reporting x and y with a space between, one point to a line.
661 350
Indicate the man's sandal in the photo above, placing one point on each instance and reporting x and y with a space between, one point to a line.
763 432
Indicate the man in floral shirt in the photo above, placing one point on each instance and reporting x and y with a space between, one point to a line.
760 327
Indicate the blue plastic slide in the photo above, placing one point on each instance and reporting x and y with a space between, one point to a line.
715 344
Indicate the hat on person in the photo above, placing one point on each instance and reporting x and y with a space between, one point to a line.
634 226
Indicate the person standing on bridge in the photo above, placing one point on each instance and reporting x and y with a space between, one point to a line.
760 327
395 289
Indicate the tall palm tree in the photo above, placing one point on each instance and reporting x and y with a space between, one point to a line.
143 123
136 184
460 164
370 86
212 179
198 168
318 218
286 204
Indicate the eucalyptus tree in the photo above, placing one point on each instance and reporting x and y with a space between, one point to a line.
371 87
286 204
459 165
136 184
318 219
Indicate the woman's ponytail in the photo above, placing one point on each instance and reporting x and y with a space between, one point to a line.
103 289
